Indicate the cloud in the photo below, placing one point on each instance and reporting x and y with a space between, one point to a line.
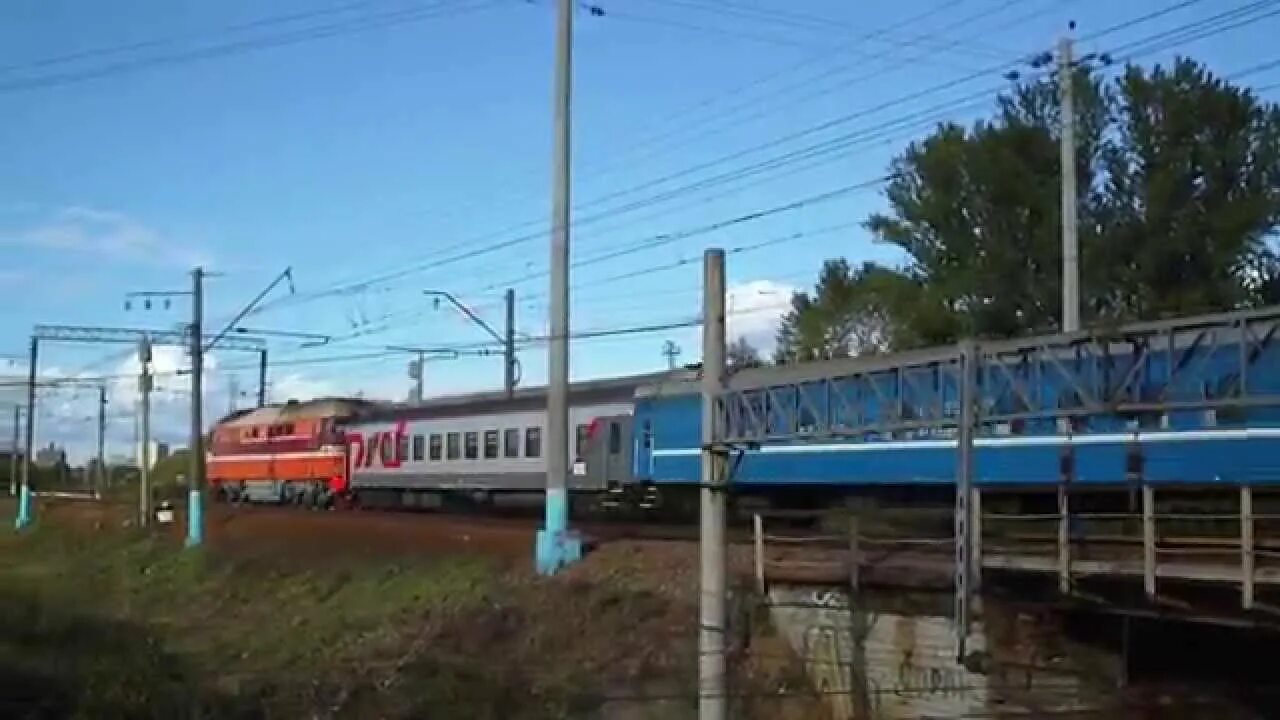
755 308
106 234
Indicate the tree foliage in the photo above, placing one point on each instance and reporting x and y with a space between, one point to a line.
742 354
1179 197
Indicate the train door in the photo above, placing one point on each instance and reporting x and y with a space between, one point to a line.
608 452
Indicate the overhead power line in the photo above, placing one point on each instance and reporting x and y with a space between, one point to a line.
107 51
418 266
662 197
443 8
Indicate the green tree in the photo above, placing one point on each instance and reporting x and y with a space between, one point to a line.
849 312
742 354
1179 199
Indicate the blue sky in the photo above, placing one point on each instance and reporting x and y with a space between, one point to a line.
412 131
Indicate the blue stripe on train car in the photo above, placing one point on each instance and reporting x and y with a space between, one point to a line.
1170 457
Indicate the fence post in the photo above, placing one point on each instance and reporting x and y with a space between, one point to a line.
1149 541
855 553
975 553
1064 539
1246 546
758 525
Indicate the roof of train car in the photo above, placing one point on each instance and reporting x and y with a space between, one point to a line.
294 410
597 390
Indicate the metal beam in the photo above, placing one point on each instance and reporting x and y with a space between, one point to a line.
131 336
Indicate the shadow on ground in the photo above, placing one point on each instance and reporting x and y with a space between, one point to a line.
60 664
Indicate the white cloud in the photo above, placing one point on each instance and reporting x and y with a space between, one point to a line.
755 308
106 234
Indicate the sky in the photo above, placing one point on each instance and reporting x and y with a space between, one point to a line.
380 148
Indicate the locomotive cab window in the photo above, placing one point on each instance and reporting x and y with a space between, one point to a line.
419 448
402 448
580 440
533 442
454 445
615 438
511 442
471 445
490 444
647 435
436 446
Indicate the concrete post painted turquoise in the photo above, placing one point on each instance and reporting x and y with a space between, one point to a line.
24 508
557 546
195 518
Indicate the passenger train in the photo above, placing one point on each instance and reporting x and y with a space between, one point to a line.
1194 401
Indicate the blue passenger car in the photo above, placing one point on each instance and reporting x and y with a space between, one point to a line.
1188 402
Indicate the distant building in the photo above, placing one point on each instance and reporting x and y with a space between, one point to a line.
158 451
51 456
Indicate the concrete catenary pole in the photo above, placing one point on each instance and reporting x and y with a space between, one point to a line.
144 439
195 505
100 480
262 377
509 346
964 496
556 548
24 495
1070 238
14 452
712 637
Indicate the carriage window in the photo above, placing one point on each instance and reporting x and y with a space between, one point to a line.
419 448
402 447
511 442
580 440
490 444
454 446
471 445
615 438
532 442
436 446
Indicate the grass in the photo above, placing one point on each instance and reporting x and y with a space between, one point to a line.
110 624
98 620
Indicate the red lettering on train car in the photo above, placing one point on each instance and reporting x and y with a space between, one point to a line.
383 445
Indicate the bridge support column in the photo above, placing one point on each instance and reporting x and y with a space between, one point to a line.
1246 547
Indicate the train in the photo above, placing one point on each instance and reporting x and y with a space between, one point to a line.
1192 401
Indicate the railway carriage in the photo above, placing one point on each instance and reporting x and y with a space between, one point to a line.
487 444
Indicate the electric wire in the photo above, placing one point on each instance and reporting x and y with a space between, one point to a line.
234 47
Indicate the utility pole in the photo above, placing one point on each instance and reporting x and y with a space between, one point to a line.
14 452
418 366
24 496
195 481
556 548
509 346
101 480
712 636
144 443
672 351
1070 239
262 377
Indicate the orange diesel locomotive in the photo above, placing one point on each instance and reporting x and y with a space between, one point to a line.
294 452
